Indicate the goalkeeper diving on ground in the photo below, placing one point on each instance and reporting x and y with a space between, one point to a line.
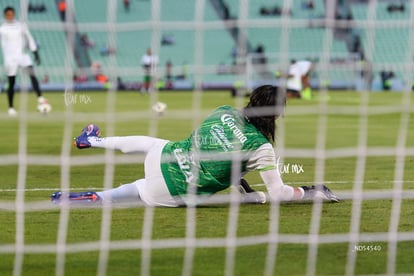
228 144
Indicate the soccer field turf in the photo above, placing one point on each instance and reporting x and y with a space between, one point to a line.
307 125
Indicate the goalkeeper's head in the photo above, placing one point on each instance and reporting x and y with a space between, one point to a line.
267 103
9 14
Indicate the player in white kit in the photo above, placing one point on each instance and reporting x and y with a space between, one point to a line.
15 38
298 85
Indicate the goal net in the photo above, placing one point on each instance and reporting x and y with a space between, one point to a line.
354 135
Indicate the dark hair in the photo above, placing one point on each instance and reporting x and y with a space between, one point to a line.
265 105
7 9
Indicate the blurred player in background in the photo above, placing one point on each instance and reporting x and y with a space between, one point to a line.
228 144
15 37
149 63
298 84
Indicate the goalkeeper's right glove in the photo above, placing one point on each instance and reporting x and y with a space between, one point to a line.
319 192
249 194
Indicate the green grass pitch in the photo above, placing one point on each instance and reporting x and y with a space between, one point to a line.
132 115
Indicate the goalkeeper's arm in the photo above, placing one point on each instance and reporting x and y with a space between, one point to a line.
278 191
264 160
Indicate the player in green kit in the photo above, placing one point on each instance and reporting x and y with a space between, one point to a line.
228 144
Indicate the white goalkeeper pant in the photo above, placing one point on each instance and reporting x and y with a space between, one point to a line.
152 189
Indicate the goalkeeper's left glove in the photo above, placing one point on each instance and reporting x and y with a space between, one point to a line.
249 194
36 57
319 192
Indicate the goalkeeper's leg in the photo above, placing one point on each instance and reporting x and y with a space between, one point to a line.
10 95
90 137
34 81
127 144
151 193
123 193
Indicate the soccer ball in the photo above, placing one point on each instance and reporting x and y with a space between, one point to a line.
44 108
159 107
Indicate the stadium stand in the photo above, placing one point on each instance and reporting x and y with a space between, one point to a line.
389 41
134 43
133 36
305 41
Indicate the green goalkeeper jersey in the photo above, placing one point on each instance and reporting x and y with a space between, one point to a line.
205 158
